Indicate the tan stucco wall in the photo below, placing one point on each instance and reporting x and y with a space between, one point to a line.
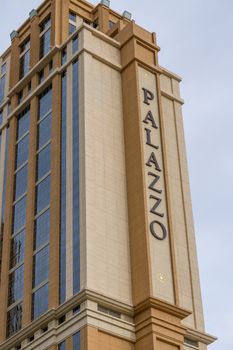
106 258
180 200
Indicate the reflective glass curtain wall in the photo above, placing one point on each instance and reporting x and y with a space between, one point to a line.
16 277
76 214
42 206
2 213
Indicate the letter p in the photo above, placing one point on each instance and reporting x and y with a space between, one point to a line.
148 96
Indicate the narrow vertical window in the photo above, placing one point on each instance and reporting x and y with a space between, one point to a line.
76 215
2 82
2 214
4 182
72 22
1 119
64 56
76 341
14 320
16 277
75 43
72 28
17 249
2 88
72 16
40 301
62 346
24 58
16 285
45 37
40 282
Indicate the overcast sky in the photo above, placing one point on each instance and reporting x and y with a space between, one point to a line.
196 39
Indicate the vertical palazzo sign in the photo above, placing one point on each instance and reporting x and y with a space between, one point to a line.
157 228
156 208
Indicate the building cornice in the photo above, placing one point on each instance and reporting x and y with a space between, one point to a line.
162 305
196 335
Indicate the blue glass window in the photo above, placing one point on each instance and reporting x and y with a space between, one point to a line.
64 56
45 43
24 64
75 43
3 68
14 320
43 195
76 341
22 151
1 117
21 182
44 131
45 24
43 162
19 215
25 46
72 16
62 346
76 214
2 88
17 248
16 285
23 123
42 229
72 28
40 301
45 102
41 266
4 181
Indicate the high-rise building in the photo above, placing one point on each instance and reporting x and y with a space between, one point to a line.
97 242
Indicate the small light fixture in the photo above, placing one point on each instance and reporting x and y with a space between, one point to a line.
33 13
14 34
127 15
105 3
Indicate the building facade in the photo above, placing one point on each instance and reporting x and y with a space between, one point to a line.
97 243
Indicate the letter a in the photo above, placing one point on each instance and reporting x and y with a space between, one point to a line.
153 160
150 118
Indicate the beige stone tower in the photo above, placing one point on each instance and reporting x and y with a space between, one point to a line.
97 246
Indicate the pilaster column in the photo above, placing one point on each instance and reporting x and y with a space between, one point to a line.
34 41
15 61
55 195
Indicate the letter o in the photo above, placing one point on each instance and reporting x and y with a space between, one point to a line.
164 231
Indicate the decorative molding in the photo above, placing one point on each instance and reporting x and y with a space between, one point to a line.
202 337
172 97
164 306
